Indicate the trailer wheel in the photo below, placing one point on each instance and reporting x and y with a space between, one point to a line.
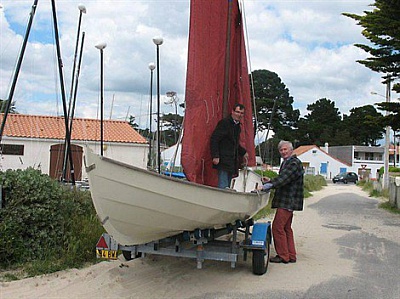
128 255
261 258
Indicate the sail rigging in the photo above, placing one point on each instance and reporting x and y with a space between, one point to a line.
217 78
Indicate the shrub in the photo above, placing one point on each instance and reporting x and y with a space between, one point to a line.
314 182
32 219
44 225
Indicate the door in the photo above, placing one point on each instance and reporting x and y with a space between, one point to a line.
57 159
323 168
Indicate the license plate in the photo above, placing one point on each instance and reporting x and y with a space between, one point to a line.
106 254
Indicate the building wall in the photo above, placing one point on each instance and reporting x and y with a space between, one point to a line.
37 153
365 160
343 153
315 158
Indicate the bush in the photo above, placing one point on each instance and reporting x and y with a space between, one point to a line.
32 218
267 173
314 182
44 225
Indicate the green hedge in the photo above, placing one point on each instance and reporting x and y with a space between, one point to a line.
43 221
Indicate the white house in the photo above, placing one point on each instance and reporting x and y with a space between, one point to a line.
38 141
366 160
318 162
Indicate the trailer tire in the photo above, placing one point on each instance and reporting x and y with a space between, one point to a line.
128 255
260 260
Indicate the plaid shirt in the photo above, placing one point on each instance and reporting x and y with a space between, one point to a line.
288 185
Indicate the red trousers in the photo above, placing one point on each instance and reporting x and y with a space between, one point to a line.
282 234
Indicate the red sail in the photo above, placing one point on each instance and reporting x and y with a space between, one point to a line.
217 69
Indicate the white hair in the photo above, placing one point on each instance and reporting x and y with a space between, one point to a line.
284 142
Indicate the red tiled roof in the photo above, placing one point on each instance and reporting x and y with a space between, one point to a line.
303 149
52 127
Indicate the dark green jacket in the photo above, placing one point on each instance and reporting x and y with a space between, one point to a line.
289 186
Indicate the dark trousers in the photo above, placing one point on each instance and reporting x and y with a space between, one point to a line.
282 234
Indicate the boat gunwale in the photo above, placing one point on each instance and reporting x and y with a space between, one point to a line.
179 181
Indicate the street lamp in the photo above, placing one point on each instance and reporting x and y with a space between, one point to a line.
173 100
101 47
152 66
387 135
377 94
158 40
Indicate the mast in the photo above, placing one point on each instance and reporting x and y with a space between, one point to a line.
225 111
71 103
151 68
76 82
19 63
60 65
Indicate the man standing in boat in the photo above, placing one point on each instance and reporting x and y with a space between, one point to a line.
288 197
225 147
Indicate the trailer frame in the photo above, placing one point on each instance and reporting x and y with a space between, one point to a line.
202 245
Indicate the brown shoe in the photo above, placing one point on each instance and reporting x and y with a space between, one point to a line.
277 259
292 261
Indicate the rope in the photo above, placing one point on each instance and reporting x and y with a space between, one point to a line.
251 75
247 44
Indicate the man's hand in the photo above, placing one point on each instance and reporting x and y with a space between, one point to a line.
215 161
267 186
266 179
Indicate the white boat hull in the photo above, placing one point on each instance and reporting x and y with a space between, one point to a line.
137 206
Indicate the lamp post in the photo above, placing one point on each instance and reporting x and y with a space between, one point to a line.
101 47
173 101
152 66
387 135
158 40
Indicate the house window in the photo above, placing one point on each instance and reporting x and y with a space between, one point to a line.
369 156
12 149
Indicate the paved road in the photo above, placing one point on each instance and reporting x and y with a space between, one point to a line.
353 243
371 242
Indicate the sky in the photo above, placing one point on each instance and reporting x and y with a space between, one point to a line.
309 44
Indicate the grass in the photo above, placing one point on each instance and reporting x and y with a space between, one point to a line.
389 207
368 186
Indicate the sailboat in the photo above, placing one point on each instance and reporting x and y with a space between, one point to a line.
137 206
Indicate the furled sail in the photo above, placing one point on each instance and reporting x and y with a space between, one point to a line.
217 78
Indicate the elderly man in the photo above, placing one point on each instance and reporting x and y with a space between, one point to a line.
288 197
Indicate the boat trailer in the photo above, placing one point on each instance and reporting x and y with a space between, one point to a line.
202 244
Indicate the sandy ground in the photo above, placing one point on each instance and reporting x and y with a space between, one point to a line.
169 277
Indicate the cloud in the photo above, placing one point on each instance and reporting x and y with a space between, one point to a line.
309 44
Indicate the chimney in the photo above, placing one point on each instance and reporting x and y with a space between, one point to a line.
326 147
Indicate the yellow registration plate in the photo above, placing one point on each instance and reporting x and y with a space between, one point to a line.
106 254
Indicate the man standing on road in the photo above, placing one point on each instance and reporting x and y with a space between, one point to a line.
225 147
288 197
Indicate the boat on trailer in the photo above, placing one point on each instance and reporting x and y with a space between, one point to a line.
148 212
137 206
